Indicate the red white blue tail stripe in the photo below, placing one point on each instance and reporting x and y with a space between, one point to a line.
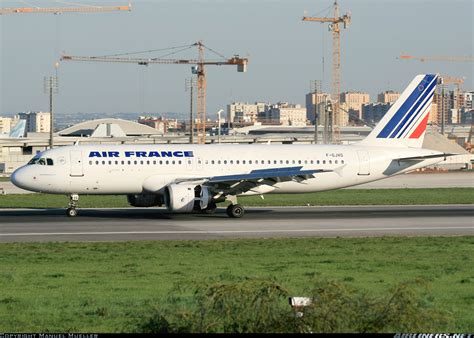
410 120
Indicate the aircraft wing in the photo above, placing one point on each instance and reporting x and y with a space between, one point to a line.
240 183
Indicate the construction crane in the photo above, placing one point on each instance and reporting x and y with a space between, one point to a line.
59 10
334 23
436 58
52 81
198 69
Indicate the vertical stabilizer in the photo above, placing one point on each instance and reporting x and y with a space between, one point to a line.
19 130
404 125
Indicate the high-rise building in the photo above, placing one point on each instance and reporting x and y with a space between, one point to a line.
316 106
388 96
466 100
36 122
354 101
373 112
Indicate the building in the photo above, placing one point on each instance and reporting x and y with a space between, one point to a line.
451 105
36 122
433 119
161 124
466 99
353 103
7 124
388 96
285 113
373 112
316 105
244 112
467 117
443 108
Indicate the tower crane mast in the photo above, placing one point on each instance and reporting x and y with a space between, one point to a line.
334 26
241 64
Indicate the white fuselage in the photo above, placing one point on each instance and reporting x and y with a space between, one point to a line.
137 169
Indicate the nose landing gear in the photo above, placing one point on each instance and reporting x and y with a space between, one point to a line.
71 211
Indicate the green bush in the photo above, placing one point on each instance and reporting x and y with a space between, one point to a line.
261 306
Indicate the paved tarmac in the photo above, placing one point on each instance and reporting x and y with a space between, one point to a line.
454 179
28 225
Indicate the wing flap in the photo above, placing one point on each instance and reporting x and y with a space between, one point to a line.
276 173
241 183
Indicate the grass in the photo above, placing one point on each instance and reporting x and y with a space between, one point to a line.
4 179
101 287
335 197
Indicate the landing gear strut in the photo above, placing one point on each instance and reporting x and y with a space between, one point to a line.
211 208
71 211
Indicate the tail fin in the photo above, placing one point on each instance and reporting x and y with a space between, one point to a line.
19 130
404 124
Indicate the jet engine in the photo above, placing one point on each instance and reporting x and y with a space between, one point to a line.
145 200
186 197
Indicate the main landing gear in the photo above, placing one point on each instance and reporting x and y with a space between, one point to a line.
211 208
71 211
234 210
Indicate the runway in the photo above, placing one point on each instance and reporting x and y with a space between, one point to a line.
28 225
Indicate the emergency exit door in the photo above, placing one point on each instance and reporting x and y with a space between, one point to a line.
364 162
76 163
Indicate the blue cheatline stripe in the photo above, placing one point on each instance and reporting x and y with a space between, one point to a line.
415 117
408 119
401 111
426 89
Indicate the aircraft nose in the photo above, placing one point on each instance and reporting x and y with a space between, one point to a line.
19 178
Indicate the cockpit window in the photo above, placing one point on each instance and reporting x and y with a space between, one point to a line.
41 161
34 160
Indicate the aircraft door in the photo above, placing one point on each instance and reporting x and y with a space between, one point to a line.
76 163
364 162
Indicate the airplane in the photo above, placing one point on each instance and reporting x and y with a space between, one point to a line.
194 178
17 132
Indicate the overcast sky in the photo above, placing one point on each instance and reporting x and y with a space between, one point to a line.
284 53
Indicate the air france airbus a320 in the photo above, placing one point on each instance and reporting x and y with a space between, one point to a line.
194 178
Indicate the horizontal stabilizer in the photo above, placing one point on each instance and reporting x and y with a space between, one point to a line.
422 158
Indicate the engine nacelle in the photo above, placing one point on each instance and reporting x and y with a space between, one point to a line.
186 197
145 200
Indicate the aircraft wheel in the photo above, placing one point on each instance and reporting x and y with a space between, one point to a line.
71 212
235 211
